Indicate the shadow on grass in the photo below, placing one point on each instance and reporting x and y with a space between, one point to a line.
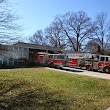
37 99
10 86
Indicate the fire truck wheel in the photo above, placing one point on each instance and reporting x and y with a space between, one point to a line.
95 70
107 70
51 64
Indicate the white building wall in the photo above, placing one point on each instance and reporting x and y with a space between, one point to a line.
13 54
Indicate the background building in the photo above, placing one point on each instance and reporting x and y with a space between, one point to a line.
21 53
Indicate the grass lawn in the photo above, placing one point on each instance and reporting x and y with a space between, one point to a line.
42 89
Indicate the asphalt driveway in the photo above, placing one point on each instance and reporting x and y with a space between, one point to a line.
84 72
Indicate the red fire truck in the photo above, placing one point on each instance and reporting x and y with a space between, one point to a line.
51 60
57 60
77 59
80 60
90 62
101 63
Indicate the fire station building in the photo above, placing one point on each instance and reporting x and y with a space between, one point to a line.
20 52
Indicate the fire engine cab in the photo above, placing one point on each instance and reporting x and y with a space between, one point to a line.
51 60
99 63
57 60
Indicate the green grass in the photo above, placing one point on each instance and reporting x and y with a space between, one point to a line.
42 89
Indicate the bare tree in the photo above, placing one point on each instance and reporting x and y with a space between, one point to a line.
92 46
1 1
54 35
8 27
77 27
39 38
103 31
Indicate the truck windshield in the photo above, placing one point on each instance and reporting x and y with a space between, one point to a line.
102 59
107 59
62 57
58 57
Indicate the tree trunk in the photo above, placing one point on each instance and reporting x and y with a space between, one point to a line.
77 42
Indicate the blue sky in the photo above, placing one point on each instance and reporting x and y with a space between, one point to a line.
38 14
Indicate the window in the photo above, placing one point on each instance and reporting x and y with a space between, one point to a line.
5 61
10 54
15 49
50 56
102 58
60 56
107 59
0 62
20 48
11 61
15 62
66 57
25 49
56 57
0 59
